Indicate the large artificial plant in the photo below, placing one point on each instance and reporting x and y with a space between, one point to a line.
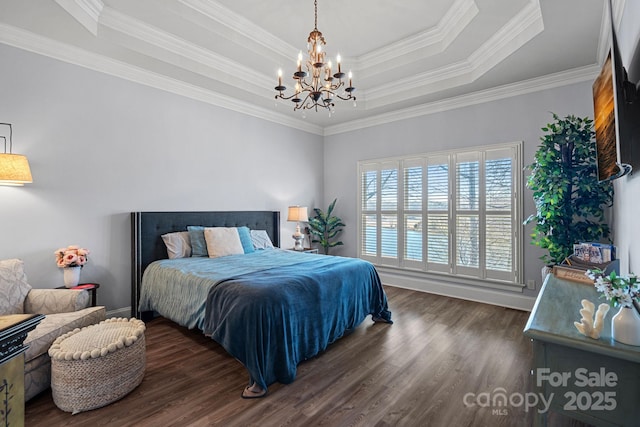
325 227
570 201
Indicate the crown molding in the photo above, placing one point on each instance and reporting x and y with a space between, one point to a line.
551 81
183 54
31 42
424 44
513 35
604 41
86 12
239 25
524 26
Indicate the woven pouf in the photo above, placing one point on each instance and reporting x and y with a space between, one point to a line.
98 364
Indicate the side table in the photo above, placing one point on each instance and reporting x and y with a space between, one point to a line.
13 331
91 287
306 250
572 372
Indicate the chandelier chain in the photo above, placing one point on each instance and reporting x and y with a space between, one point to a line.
315 23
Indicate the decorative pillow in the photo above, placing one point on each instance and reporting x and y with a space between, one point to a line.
13 286
198 244
222 241
260 239
178 244
245 239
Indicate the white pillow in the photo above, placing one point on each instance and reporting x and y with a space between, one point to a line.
178 244
260 239
13 286
222 241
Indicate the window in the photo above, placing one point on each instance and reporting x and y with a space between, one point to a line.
451 212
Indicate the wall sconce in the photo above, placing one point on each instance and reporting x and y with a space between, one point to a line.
297 214
14 168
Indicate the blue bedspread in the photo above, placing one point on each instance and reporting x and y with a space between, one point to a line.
283 309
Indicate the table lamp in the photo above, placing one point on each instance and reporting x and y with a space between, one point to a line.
297 214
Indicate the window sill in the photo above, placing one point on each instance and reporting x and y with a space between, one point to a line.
485 291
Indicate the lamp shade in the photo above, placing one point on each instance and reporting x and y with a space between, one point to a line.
297 213
14 170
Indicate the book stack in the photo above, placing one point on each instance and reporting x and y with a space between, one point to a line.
595 253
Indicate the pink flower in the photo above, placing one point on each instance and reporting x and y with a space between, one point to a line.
71 256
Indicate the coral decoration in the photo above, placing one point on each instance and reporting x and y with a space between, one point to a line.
587 325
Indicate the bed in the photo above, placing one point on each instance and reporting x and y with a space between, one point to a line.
270 309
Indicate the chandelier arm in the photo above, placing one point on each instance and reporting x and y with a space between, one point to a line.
347 98
301 104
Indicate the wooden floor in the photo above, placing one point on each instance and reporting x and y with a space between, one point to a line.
415 372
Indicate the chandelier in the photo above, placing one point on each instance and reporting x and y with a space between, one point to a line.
322 87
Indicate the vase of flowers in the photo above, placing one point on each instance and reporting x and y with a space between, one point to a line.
71 259
621 292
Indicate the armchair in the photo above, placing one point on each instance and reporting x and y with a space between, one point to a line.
64 311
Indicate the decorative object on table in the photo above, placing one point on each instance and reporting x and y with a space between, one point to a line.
621 292
14 168
322 88
574 269
593 253
325 227
71 259
589 326
298 214
569 199
98 364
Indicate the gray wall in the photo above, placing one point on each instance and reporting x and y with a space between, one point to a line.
512 119
101 147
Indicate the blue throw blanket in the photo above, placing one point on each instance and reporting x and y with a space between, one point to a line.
272 318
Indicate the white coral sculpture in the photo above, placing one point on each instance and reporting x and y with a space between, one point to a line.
587 326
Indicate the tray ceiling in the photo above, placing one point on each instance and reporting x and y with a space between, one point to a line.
408 58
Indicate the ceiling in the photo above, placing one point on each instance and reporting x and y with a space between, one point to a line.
408 57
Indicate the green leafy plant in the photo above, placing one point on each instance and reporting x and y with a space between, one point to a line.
325 227
570 201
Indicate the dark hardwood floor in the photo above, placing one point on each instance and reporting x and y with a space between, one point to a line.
415 372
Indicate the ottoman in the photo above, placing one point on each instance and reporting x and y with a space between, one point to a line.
98 364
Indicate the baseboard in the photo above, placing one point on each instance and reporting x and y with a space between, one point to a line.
120 312
507 299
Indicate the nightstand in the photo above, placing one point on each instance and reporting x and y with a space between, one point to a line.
91 287
306 250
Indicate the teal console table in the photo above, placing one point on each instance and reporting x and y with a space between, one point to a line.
593 381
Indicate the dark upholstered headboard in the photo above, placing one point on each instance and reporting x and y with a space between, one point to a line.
147 227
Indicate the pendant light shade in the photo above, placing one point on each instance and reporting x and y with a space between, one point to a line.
14 168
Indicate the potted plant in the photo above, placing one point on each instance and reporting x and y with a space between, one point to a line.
570 201
325 227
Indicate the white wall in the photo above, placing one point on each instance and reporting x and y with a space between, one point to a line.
627 189
101 147
512 119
